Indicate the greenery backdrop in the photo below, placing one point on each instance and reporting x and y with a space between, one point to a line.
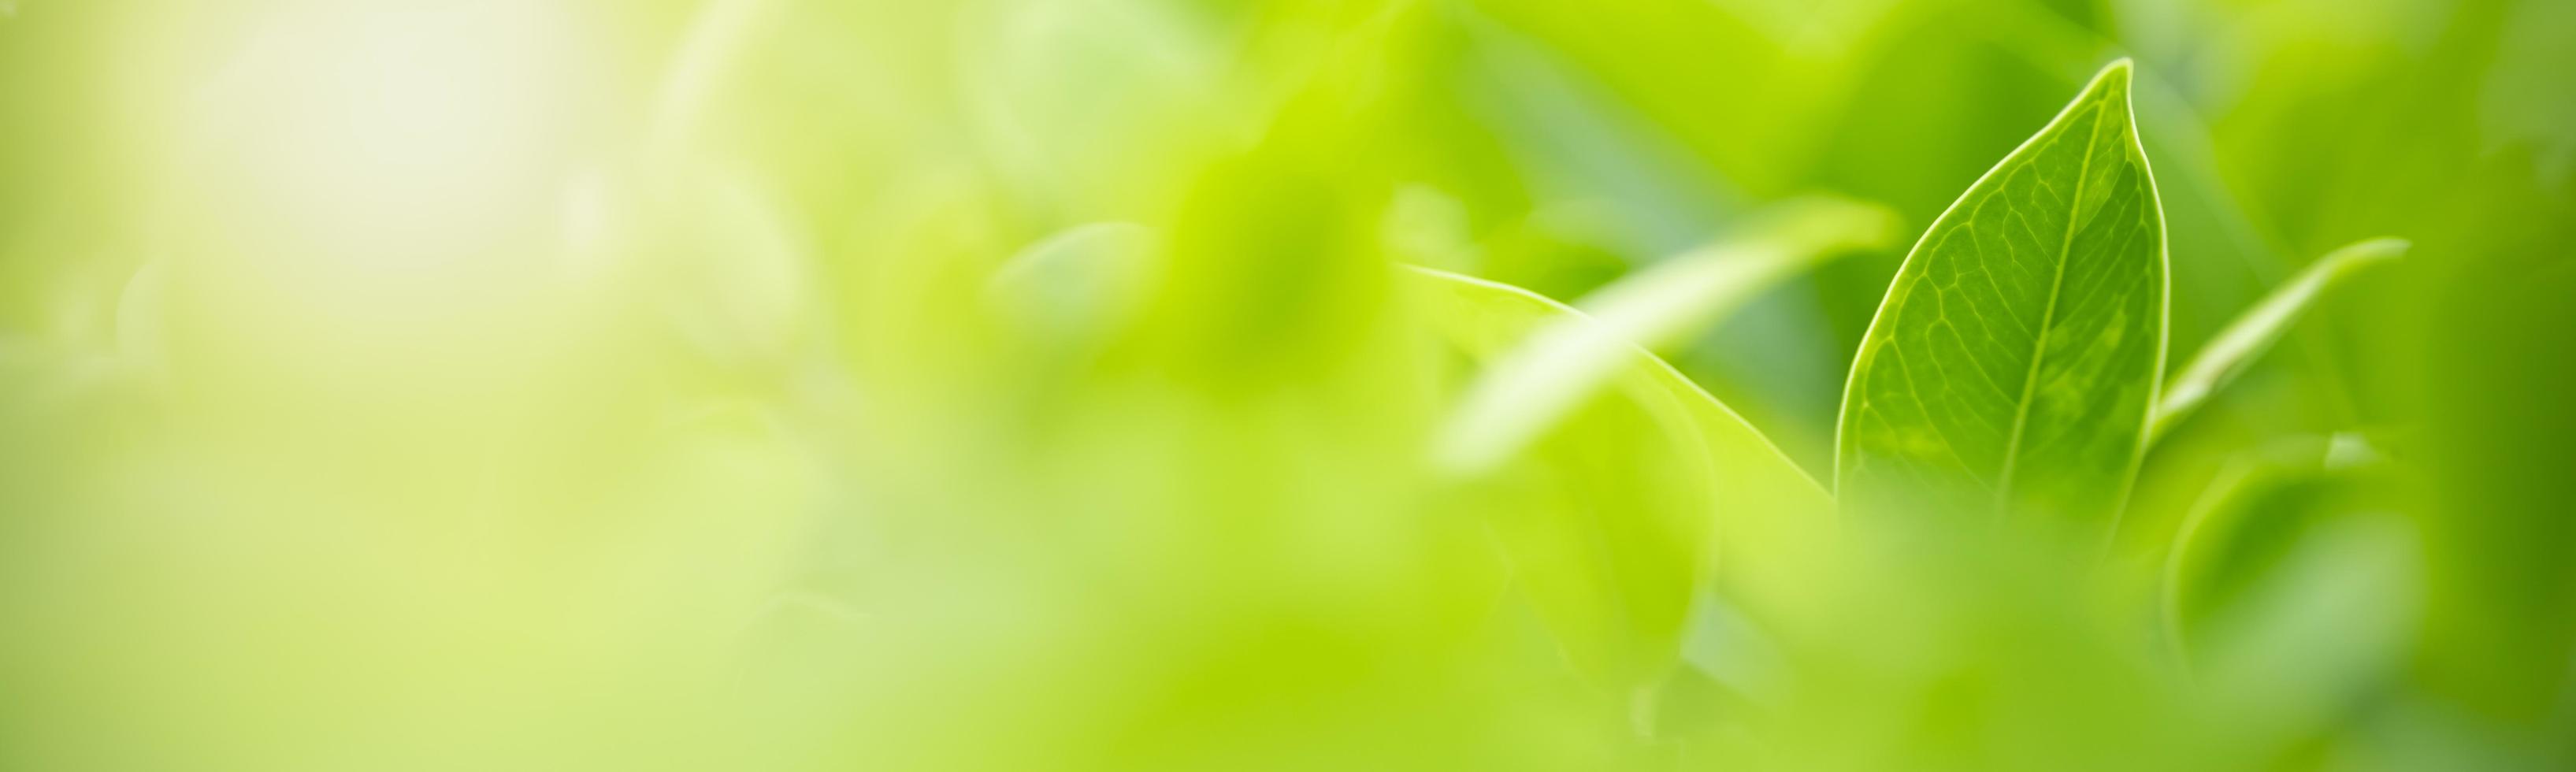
1232 384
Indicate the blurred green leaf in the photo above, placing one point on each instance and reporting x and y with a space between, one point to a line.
2245 519
1614 526
1532 388
1486 318
2014 361
2261 326
1668 300
2292 586
1077 285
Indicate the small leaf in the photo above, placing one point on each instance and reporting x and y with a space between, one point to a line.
2014 362
2259 327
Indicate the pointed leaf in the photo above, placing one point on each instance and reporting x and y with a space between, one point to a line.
2261 326
2014 362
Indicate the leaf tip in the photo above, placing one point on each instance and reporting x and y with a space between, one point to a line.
2113 77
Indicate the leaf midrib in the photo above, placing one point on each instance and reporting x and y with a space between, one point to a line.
2047 319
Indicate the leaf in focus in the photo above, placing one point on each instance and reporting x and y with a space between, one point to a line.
2261 326
1611 522
2015 359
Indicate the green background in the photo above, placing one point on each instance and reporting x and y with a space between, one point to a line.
1027 384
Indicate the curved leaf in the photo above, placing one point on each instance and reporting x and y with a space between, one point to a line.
2015 360
1487 317
1539 381
1613 529
2198 570
2261 326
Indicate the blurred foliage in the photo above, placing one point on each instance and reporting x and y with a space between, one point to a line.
1063 384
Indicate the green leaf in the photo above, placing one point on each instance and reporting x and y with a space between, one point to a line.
2014 363
1540 381
1612 521
1488 318
2259 327
1679 295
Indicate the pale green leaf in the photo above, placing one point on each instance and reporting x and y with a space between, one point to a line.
1536 384
2014 363
2259 327
1671 299
1489 318
1612 520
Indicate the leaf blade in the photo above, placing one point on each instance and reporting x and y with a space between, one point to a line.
2015 360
